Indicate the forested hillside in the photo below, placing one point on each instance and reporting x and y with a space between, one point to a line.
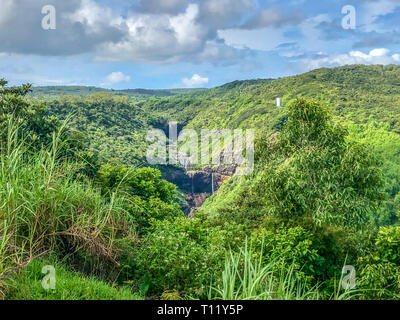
77 194
358 92
115 124
113 127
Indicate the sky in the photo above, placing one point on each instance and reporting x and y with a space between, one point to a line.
189 43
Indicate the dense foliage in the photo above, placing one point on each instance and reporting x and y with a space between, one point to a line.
76 193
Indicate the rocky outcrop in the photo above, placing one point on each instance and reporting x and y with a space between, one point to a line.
204 183
198 185
195 201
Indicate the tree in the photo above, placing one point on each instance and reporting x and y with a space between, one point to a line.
150 197
31 118
312 170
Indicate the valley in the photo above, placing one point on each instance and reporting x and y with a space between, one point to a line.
78 192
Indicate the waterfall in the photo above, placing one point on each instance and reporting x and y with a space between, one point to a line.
212 182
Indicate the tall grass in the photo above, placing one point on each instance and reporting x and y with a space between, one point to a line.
44 208
244 278
247 277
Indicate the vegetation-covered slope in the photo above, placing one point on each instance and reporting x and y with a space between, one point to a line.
116 125
356 92
110 125
313 176
324 193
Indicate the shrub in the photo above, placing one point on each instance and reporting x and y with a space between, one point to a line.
149 196
178 255
143 182
380 269
288 247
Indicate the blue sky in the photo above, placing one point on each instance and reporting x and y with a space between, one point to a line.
189 43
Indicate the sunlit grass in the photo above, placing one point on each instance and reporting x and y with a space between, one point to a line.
44 206
247 277
69 285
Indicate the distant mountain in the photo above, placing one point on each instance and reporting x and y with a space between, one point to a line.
51 91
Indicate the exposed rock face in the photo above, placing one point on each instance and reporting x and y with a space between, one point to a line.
179 177
195 201
204 184
199 185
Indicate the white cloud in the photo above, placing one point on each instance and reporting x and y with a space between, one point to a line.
268 38
377 8
81 26
158 38
152 31
379 52
375 56
194 81
94 16
396 57
115 78
185 27
171 36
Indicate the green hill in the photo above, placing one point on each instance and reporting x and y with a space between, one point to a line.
356 92
116 125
